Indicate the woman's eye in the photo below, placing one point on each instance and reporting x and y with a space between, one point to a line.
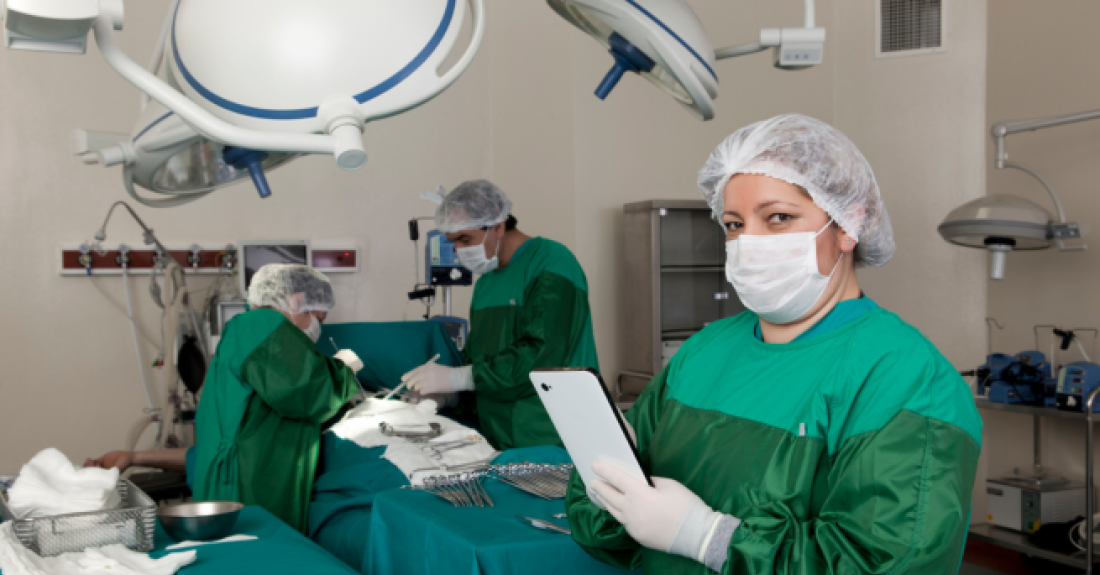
780 218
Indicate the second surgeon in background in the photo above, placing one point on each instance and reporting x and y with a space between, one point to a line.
530 310
266 396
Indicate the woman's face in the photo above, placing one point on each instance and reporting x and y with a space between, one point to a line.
759 205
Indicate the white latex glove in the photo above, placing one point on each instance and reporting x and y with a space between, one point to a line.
350 359
667 517
432 378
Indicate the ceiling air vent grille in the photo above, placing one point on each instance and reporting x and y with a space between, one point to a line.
906 26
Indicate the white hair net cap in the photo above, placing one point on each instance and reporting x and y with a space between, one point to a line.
818 158
471 206
291 288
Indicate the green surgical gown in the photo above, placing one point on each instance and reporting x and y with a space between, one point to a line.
529 314
258 426
849 452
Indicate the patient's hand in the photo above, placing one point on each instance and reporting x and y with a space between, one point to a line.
115 459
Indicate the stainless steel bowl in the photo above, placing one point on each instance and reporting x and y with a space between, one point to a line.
200 521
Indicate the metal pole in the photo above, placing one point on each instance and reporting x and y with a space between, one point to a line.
1038 447
1090 497
1016 126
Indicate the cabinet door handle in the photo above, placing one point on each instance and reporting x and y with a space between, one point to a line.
720 296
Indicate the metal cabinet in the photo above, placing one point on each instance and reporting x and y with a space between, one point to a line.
675 284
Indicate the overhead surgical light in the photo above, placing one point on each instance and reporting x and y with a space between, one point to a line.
299 78
166 156
1002 223
664 42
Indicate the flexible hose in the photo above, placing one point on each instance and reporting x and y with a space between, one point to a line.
133 331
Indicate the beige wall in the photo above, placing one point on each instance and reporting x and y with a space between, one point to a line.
1040 55
525 118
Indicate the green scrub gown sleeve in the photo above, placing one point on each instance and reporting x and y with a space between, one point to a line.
897 497
600 534
552 320
297 381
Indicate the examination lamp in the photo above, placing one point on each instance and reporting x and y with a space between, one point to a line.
294 78
1001 223
664 42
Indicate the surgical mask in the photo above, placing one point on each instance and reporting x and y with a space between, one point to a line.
776 276
475 258
313 332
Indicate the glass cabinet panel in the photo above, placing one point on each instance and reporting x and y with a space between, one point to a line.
691 238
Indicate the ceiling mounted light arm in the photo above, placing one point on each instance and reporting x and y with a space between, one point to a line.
158 51
796 48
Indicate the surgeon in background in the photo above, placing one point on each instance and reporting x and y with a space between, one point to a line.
266 395
815 433
529 310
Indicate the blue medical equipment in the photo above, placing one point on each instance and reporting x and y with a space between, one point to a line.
1024 378
1075 382
442 267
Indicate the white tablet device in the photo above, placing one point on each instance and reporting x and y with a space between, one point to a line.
587 420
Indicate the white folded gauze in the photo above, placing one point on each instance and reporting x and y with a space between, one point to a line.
113 559
50 485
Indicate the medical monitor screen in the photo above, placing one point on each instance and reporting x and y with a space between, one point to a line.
258 256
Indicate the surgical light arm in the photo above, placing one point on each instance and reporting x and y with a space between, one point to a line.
1062 230
797 48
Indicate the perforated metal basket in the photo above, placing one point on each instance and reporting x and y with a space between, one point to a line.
132 525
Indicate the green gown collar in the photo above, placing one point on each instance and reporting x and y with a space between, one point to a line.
519 250
844 313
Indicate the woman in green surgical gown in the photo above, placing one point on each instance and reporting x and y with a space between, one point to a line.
816 432
266 395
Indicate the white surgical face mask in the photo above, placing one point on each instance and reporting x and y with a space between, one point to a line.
475 258
776 275
313 332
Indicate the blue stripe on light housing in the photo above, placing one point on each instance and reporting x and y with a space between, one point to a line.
305 113
676 36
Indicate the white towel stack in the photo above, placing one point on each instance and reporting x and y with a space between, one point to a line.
50 485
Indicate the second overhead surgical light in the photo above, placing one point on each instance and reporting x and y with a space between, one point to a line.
664 42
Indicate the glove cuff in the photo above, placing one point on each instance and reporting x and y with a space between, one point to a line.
691 537
716 550
462 378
